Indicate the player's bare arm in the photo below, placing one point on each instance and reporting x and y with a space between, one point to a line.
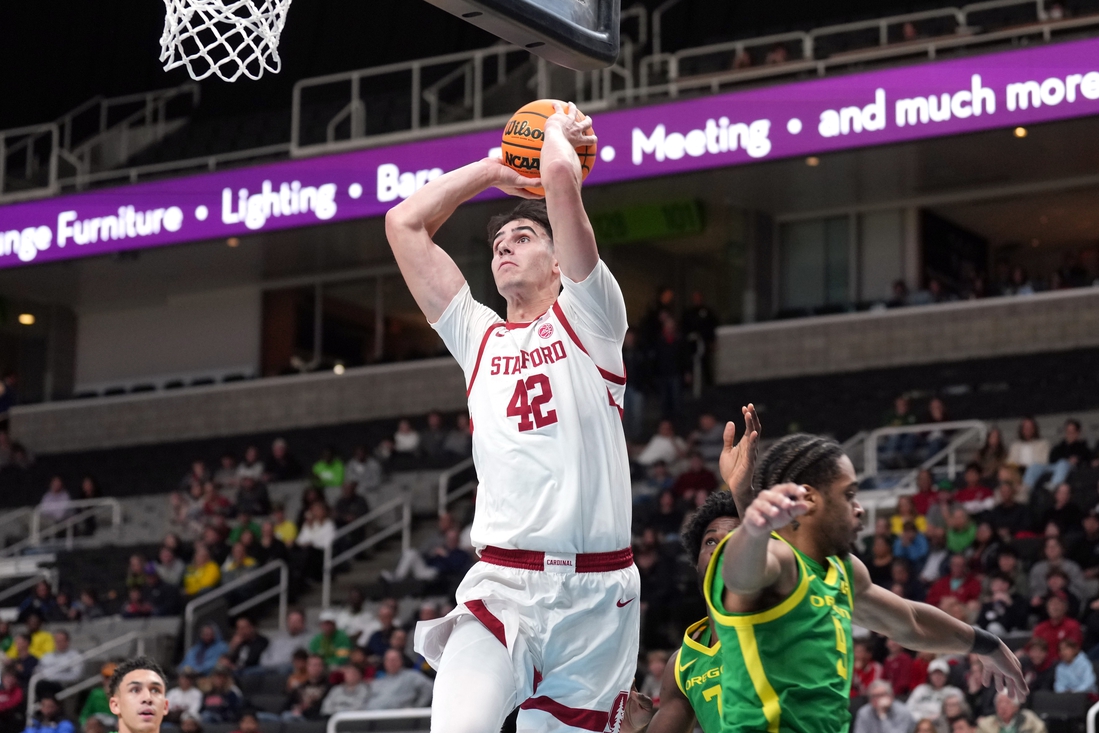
574 239
432 276
759 571
738 460
925 628
675 714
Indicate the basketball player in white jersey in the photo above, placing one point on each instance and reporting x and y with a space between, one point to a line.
547 621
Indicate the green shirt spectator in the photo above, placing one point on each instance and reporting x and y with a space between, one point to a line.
331 643
96 704
329 470
245 523
961 532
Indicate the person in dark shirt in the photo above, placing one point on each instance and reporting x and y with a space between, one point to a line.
1005 610
164 599
247 646
1072 448
450 560
1085 551
696 478
636 361
282 466
700 324
1065 513
223 703
305 701
252 498
668 518
268 547
1008 517
23 663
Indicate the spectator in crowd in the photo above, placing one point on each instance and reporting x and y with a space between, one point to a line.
328 471
364 471
1057 584
204 653
960 532
1058 626
332 644
197 475
906 512
251 467
49 718
1086 552
1010 718
656 661
981 699
927 493
993 455
169 567
671 364
700 323
318 532
190 723
269 547
656 482
224 702
285 530
431 440
897 669
247 646
202 573
21 660
959 583
282 466
1008 518
40 640
185 697
1054 557
96 704
56 502
1070 452
635 361
355 620
668 518
880 562
406 440
225 477
1074 673
87 607
709 439
252 498
1038 665
12 702
777 55
937 556
280 651
936 439
40 601
1004 611
238 564
396 687
299 670
63 666
248 723
697 478
911 544
213 503
135 572
306 699
459 441
352 694
1030 453
926 701
1007 563
898 451
164 598
985 549
136 606
940 512
973 495
1065 513
864 670
954 707
350 506
664 446
376 644
904 582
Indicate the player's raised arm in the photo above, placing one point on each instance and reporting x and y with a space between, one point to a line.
431 275
754 563
738 460
574 240
925 628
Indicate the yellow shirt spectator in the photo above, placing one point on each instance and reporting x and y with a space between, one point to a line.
200 577
286 531
897 523
41 645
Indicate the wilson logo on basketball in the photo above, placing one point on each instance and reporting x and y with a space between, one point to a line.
522 162
546 330
522 129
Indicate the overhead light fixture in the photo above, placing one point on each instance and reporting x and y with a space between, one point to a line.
27 319
338 369
1020 132
812 161
232 242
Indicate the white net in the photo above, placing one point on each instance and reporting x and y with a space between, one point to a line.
223 37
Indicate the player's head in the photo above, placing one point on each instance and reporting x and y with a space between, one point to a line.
820 465
705 528
137 694
523 260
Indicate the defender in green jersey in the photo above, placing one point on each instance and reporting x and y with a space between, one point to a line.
783 591
691 687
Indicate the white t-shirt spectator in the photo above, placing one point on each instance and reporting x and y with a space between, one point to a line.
406 441
406 689
341 699
317 535
185 701
363 623
64 666
662 448
250 470
55 505
1029 452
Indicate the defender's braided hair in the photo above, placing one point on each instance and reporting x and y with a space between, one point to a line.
801 459
718 504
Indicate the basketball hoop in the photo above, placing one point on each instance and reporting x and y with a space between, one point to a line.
223 37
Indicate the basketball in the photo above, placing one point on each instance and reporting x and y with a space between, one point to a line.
522 142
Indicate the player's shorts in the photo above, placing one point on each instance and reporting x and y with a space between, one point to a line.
570 627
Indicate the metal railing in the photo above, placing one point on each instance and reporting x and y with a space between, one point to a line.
16 515
446 496
26 139
370 715
50 575
89 682
85 510
1092 712
281 590
402 526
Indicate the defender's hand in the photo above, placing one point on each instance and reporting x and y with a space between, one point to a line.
738 463
572 123
639 711
509 180
774 508
1002 667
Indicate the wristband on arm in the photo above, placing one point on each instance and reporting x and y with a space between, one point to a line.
984 642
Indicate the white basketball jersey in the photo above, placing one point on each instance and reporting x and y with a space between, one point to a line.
545 404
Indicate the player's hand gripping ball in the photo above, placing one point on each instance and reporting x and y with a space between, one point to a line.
525 131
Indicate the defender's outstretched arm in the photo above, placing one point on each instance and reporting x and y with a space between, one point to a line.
573 237
429 272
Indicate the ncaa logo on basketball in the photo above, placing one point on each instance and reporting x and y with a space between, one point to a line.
546 330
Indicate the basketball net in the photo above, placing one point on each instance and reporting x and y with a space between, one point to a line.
223 37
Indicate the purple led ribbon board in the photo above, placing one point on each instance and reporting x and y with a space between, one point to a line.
1042 84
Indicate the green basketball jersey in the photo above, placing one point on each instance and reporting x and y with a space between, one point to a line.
786 669
698 674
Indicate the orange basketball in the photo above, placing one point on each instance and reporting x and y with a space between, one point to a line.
522 143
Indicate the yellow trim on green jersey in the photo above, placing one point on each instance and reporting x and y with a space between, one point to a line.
772 710
760 617
688 638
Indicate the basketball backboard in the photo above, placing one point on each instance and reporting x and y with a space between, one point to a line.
577 34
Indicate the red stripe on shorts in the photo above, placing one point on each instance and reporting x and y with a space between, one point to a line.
490 622
594 720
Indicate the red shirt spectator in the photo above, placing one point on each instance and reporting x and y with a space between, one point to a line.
11 697
696 478
960 584
926 495
898 668
1058 626
866 670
